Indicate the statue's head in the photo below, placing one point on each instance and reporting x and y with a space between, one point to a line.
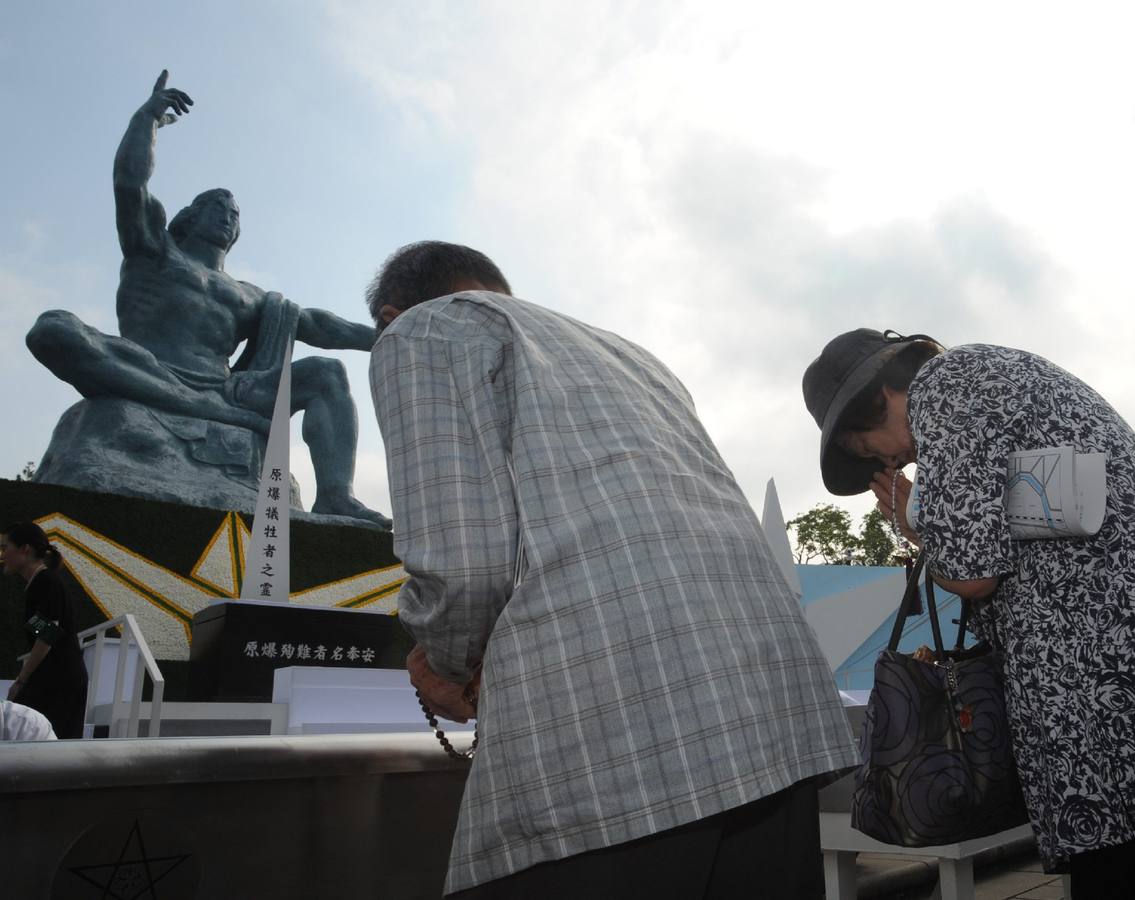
428 269
213 216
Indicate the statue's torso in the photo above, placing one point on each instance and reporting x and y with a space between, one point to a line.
186 314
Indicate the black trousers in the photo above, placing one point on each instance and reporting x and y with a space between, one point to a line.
768 849
1104 874
64 705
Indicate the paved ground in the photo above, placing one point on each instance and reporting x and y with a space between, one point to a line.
898 878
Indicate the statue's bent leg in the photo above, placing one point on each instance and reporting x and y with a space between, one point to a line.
104 365
331 432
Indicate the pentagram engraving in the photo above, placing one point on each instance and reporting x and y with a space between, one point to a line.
131 873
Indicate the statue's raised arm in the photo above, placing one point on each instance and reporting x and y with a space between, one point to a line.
140 217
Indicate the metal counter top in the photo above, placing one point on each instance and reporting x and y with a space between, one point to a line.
70 765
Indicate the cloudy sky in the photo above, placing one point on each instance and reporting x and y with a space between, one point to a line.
728 184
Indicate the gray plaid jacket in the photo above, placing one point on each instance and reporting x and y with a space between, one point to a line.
645 665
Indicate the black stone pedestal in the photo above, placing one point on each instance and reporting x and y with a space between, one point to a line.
238 645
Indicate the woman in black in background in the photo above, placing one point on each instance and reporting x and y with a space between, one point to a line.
53 678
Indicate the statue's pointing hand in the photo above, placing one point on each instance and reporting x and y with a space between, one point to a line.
164 98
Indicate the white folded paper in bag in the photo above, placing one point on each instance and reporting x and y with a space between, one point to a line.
1054 492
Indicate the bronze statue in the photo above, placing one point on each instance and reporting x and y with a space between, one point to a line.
181 318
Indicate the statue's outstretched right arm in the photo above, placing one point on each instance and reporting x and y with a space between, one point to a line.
141 218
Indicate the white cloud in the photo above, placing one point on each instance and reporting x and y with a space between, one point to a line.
733 184
35 398
370 480
21 300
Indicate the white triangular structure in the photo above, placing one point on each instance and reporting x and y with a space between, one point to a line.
846 618
222 563
267 567
772 521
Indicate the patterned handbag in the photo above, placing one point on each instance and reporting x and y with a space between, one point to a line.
937 763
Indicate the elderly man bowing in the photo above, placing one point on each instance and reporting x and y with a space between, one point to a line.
653 706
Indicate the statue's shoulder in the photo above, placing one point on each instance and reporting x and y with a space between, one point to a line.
253 296
252 291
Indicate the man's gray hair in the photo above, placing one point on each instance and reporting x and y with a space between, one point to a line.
428 269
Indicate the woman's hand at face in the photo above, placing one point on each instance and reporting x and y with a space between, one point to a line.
892 485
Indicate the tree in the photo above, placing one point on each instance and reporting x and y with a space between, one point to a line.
825 532
877 544
28 472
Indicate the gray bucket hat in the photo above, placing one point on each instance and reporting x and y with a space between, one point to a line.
845 367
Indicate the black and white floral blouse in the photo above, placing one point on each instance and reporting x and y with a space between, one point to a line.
1063 614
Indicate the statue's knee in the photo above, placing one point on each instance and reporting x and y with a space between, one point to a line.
332 375
52 332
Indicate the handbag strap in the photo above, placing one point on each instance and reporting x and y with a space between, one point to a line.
963 618
932 613
907 607
908 599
